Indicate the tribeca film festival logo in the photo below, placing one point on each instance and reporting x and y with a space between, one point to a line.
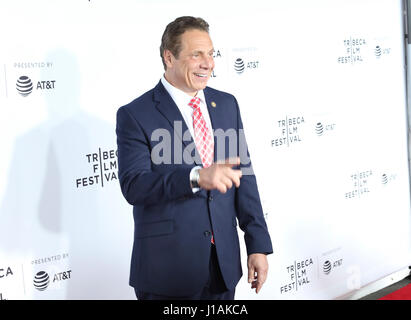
216 55
104 167
360 184
298 276
353 51
5 272
300 272
289 129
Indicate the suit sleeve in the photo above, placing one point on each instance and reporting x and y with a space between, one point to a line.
248 205
139 184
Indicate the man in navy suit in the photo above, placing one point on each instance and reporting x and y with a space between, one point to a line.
182 167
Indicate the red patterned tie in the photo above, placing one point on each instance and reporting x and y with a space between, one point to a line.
202 135
203 138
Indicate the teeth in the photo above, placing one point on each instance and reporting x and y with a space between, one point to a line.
201 75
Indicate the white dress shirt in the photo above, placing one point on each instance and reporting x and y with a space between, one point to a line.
182 101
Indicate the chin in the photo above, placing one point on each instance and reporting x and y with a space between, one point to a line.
201 86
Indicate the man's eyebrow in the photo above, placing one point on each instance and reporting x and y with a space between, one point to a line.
201 51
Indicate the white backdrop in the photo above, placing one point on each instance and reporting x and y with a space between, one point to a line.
329 149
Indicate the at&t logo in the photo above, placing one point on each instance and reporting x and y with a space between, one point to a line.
321 129
328 265
42 279
24 85
379 51
386 179
240 66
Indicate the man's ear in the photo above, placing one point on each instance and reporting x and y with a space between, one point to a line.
168 58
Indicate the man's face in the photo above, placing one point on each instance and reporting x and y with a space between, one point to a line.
191 71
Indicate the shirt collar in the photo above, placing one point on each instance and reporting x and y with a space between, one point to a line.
179 96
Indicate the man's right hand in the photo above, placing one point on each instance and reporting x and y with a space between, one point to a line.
220 175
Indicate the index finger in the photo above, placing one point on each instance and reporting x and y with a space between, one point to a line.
261 277
234 175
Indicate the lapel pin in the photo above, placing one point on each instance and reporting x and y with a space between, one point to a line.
213 104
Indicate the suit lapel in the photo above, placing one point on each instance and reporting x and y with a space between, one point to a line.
216 116
218 120
167 107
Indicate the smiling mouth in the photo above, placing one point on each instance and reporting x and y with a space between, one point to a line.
200 75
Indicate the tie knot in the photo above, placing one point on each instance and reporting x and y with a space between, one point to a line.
195 102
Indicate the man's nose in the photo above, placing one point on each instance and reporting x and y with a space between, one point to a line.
207 63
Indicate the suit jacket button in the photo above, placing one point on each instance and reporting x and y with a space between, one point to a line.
210 198
207 233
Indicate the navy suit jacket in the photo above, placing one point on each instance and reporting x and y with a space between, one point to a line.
173 225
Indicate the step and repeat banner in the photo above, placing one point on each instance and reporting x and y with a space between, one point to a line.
322 91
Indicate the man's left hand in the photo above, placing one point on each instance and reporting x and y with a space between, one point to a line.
257 270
